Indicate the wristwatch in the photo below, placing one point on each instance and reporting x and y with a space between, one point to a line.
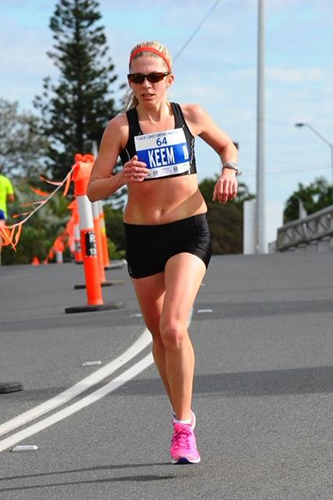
233 166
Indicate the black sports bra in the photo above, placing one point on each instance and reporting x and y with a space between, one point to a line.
134 130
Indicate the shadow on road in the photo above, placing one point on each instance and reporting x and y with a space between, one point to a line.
93 481
293 381
98 469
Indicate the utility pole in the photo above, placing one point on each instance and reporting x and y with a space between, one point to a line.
260 215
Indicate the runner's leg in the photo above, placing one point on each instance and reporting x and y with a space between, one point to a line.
183 275
150 293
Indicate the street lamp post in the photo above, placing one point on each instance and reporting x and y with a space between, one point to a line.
321 137
260 217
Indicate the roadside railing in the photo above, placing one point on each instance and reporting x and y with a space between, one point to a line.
310 230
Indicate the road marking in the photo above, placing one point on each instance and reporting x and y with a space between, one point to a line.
82 403
25 447
91 363
199 311
141 343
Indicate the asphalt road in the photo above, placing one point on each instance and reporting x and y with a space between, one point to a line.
263 335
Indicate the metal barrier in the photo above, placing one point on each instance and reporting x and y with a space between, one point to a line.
312 230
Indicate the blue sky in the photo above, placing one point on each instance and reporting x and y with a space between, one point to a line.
217 70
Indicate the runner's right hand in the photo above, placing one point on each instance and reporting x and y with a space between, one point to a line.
135 170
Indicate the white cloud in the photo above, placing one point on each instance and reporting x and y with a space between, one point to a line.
295 75
283 74
211 94
244 73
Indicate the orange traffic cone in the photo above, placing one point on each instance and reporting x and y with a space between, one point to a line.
99 245
81 176
35 261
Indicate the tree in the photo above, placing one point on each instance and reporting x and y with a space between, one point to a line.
225 221
40 231
207 187
114 226
76 110
314 197
22 147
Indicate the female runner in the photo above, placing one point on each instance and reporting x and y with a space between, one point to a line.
168 244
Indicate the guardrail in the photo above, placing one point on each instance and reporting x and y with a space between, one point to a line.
311 230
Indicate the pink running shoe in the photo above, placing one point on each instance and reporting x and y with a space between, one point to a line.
183 445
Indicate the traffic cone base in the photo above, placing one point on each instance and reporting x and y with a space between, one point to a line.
95 308
106 283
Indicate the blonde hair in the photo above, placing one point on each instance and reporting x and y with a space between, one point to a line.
129 99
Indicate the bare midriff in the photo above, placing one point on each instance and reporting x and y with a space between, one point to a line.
161 201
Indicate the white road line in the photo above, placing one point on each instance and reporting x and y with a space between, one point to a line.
141 343
73 408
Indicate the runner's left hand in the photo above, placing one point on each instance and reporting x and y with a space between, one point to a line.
226 187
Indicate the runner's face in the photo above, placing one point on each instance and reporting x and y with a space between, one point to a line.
147 92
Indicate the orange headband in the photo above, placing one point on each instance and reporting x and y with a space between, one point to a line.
151 49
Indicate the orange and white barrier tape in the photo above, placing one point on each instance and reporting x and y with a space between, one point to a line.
11 234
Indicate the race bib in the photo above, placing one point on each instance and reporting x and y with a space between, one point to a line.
165 153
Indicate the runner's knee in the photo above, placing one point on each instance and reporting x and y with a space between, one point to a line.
173 334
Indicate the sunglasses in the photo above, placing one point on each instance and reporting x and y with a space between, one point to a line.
152 77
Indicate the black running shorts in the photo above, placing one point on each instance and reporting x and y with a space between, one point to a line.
149 247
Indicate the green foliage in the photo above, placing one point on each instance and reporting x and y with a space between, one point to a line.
40 231
114 252
316 196
114 227
226 226
33 242
225 221
119 198
77 108
22 146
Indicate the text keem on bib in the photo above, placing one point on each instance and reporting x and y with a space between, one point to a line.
165 153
